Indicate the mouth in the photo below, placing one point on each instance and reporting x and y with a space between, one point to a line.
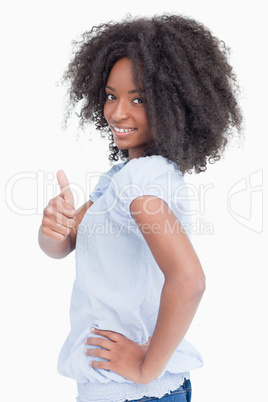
122 131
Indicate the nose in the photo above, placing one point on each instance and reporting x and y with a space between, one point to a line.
120 111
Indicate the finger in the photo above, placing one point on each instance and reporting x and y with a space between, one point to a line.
113 336
100 365
101 342
56 221
65 222
65 187
60 236
51 234
58 204
54 227
102 353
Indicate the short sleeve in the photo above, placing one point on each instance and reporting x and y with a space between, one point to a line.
150 175
103 182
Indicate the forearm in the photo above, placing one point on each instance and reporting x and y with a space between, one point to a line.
178 306
53 248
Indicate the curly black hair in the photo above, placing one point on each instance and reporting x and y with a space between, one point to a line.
191 89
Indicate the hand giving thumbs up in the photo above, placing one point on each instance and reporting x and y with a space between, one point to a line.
58 217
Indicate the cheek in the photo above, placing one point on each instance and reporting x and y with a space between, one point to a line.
139 115
143 120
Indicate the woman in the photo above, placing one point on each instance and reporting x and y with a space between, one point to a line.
164 91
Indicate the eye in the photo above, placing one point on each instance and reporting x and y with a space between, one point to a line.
110 97
138 100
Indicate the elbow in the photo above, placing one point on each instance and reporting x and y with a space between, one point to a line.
201 285
194 286
197 285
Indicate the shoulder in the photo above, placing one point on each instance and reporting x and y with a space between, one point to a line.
152 162
147 176
147 169
150 175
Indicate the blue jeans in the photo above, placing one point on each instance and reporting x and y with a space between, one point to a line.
182 394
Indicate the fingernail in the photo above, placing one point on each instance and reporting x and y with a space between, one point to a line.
92 329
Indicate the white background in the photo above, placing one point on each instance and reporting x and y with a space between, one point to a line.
230 328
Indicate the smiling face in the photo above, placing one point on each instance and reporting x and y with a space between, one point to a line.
124 110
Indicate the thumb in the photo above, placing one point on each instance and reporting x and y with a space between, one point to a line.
66 192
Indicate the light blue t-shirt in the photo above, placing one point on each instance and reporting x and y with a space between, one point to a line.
118 282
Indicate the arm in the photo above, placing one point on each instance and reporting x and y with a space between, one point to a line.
184 281
182 291
57 234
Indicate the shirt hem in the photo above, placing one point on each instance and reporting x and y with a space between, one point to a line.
120 392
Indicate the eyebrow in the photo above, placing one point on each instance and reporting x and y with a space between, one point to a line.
133 91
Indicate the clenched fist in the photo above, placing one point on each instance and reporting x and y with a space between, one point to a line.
58 218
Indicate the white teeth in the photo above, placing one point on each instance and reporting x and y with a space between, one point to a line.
121 130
